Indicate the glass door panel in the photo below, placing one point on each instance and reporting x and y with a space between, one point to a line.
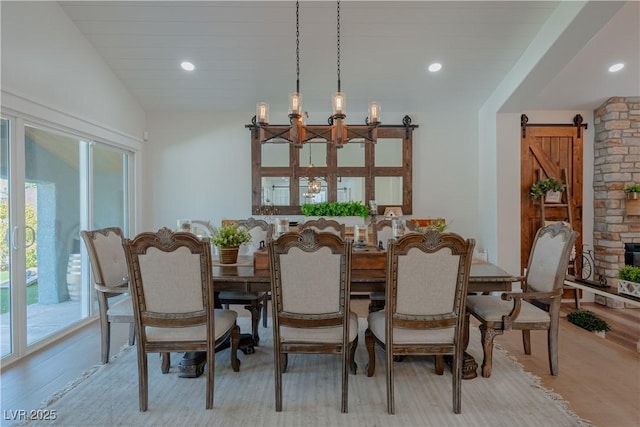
56 297
109 187
6 329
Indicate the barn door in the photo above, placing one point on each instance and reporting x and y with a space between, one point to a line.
545 151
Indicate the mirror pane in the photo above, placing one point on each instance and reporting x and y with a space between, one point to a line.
351 189
275 191
388 152
308 196
275 155
351 154
389 190
317 152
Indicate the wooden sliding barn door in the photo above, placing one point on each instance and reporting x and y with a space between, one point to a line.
547 150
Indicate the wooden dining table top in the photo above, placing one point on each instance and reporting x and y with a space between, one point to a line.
242 276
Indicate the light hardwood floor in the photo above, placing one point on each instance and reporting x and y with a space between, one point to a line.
600 378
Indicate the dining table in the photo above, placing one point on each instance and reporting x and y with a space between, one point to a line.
368 274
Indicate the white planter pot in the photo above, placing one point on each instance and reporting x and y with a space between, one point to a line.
601 334
629 288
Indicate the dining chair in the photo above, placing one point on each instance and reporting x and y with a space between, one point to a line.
323 225
427 280
173 302
382 232
537 306
310 287
255 302
111 279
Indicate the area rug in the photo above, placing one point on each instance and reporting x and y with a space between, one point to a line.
107 395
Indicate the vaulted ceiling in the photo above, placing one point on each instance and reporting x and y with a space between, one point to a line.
244 52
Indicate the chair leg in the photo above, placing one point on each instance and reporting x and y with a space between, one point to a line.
255 308
211 368
346 359
457 380
391 404
235 343
439 364
353 367
369 342
526 341
265 310
105 326
278 368
552 344
576 297
165 364
143 395
132 333
105 329
487 336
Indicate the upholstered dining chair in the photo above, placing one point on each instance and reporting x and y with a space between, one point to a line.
310 286
173 302
323 225
261 233
427 280
382 232
111 279
537 307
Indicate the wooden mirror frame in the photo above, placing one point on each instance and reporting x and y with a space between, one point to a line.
332 171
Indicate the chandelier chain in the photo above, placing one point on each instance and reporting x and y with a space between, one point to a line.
338 44
297 46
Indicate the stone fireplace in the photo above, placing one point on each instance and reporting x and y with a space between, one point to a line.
616 165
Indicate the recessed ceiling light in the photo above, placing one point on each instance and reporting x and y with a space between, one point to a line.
616 67
436 66
187 66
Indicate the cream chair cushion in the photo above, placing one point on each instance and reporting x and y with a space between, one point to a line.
493 308
224 320
325 335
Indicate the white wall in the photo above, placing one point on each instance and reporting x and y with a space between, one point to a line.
199 167
46 61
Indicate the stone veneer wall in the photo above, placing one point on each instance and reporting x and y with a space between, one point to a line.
616 165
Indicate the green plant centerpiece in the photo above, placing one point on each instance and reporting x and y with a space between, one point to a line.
588 320
542 187
325 209
228 239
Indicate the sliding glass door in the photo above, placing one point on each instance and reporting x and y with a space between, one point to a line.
6 327
63 183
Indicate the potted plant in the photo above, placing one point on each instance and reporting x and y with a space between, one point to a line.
588 320
633 191
629 280
228 239
550 187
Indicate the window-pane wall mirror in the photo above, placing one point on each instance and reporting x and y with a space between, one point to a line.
285 176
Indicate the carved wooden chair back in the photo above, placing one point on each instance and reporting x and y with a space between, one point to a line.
538 305
323 225
173 297
427 280
111 279
310 287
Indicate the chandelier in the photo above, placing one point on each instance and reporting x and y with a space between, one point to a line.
298 133
313 184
